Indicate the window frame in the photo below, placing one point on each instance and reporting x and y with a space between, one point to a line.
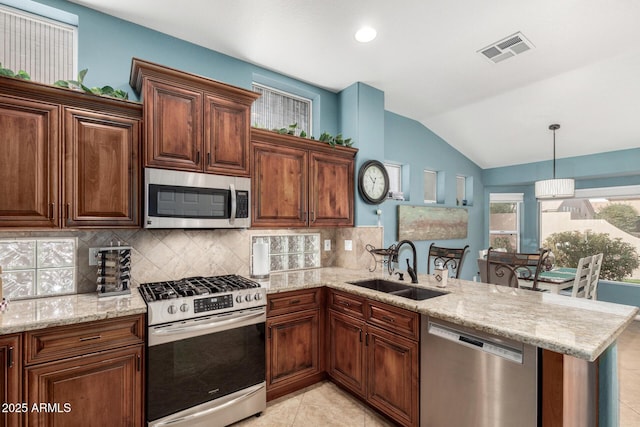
435 186
518 199
286 94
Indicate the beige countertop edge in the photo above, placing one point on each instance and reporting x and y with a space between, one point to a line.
28 315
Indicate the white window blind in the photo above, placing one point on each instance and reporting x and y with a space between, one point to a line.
276 109
43 47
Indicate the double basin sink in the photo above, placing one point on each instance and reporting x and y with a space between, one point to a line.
398 289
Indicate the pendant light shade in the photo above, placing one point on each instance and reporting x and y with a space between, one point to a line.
555 188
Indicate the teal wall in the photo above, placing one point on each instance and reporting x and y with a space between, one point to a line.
107 44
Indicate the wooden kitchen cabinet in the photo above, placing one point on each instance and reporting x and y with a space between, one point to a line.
295 343
101 169
193 123
67 159
29 165
374 352
92 373
11 379
298 182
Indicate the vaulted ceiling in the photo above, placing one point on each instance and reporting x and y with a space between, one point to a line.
583 71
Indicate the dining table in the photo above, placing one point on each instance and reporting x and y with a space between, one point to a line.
553 280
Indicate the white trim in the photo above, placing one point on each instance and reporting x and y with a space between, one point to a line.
506 197
624 190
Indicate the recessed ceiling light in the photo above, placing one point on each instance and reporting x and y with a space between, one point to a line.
366 34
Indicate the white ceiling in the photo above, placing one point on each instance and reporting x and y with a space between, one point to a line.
584 72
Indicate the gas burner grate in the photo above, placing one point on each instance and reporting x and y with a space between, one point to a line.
190 286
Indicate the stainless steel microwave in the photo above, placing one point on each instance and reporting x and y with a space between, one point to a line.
176 199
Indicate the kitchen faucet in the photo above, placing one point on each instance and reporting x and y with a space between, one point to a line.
413 271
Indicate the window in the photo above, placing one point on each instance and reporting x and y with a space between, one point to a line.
45 48
395 180
430 186
461 190
596 220
504 221
38 267
276 109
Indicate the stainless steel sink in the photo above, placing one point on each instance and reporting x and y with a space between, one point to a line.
399 289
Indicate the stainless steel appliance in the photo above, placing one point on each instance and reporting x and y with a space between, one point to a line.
177 199
470 378
206 351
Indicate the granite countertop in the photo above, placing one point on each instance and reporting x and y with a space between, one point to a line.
25 315
573 326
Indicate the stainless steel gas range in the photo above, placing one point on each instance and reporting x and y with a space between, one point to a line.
206 351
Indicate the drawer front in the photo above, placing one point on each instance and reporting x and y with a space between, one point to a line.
292 301
68 341
352 305
394 319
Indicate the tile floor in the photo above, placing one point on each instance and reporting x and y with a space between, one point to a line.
629 374
326 405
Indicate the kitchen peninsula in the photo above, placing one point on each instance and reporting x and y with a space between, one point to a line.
579 332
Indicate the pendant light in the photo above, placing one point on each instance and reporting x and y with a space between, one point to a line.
555 188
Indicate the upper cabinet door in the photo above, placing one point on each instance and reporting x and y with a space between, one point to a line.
226 139
101 170
331 190
29 147
173 116
279 186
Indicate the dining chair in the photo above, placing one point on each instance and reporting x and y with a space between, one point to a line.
450 258
497 273
596 266
510 268
585 283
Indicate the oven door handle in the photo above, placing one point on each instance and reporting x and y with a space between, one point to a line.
212 326
189 418
232 217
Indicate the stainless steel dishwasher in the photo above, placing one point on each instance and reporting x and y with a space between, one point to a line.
470 378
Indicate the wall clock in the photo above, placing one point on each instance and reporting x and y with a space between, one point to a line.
373 182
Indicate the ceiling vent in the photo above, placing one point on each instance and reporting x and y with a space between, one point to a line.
507 48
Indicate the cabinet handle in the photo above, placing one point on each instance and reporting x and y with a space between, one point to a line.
345 303
51 206
209 158
269 336
360 330
68 209
366 339
388 319
294 301
139 363
313 216
10 358
197 156
94 337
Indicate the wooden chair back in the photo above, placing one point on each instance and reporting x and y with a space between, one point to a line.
450 258
594 276
582 281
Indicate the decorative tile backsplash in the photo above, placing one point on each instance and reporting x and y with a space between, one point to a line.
38 267
158 255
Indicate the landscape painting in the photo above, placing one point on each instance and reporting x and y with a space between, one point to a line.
432 223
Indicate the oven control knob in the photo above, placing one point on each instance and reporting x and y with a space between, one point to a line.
239 299
184 308
257 297
247 298
172 309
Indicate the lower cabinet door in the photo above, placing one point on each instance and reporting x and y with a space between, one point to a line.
392 385
293 351
10 381
103 389
347 352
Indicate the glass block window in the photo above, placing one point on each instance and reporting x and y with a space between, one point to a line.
276 109
292 251
38 267
43 43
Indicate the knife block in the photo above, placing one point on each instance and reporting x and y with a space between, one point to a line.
114 270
